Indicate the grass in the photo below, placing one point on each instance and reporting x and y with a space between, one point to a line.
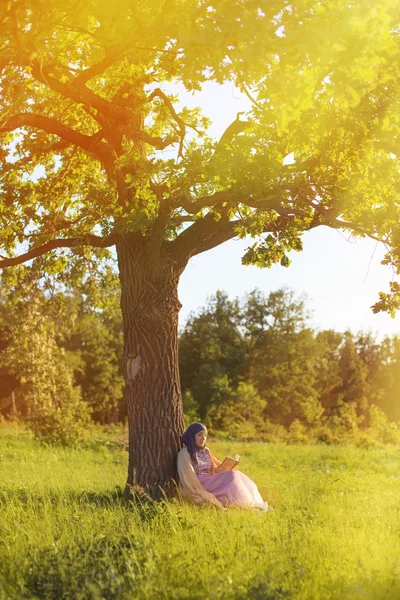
65 531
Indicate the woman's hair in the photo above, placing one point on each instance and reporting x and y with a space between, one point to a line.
189 440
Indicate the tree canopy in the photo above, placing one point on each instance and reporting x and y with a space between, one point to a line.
86 113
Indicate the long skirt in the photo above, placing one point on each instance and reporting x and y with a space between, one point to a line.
234 487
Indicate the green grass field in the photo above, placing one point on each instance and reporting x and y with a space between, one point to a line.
65 531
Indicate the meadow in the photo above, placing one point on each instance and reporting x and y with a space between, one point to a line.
66 532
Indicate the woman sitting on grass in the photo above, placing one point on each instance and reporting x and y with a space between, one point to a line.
201 480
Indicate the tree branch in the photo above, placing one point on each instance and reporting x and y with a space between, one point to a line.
11 166
269 202
250 97
339 224
194 206
81 94
236 127
227 231
223 234
95 69
156 142
198 235
204 233
91 144
111 55
207 233
182 127
87 240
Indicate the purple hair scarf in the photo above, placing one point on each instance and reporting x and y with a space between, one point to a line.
189 439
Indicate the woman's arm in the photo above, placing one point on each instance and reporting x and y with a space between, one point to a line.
214 460
190 484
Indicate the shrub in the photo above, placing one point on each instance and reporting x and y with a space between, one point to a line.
297 433
379 427
57 413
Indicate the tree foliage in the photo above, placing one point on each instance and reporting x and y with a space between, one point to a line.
290 376
47 395
250 369
86 110
212 353
60 355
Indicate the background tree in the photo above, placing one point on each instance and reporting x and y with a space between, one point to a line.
328 377
8 381
46 391
353 372
281 356
240 412
390 378
96 343
212 353
85 113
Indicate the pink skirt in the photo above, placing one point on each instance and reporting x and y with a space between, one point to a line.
233 487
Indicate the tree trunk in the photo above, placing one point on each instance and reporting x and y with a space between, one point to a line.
150 307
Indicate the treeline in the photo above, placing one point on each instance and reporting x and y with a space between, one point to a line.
258 369
254 368
61 356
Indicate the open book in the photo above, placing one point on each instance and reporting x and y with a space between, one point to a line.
229 463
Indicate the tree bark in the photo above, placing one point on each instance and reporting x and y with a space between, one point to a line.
150 307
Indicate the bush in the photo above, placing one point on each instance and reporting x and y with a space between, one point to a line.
379 427
297 433
58 413
366 441
324 435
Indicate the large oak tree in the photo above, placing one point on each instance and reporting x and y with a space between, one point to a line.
87 110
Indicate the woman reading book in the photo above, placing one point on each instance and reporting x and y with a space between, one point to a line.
202 478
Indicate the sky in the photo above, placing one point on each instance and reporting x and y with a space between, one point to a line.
341 275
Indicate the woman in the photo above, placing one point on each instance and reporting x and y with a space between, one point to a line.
200 479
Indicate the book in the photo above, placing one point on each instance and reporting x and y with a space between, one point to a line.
229 463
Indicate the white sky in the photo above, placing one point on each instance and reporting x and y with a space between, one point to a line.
341 276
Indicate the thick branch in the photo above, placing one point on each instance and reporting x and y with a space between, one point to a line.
159 227
193 207
207 233
111 56
156 142
81 94
198 235
228 231
87 240
89 143
269 202
46 124
236 127
96 69
223 234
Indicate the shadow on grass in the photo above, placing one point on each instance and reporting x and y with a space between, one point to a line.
23 495
105 569
369 588
142 506
262 589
